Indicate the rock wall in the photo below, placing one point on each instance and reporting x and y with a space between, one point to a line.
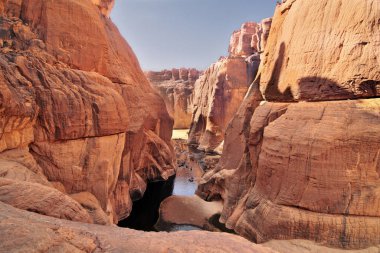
245 41
77 112
47 234
221 89
176 87
105 6
301 156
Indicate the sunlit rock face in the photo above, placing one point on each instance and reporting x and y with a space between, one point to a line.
44 234
176 87
105 6
315 64
77 112
293 169
221 89
246 40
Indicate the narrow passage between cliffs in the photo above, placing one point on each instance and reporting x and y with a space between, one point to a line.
191 164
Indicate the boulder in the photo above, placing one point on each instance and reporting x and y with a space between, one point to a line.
41 199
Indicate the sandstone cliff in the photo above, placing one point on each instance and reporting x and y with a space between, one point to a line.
46 234
176 87
221 89
293 169
77 113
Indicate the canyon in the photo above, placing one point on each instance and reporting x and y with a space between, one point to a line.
176 87
280 139
220 90
301 155
76 120
82 134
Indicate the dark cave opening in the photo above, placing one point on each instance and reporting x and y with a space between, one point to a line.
145 211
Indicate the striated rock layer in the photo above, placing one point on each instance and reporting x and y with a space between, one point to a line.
221 89
46 234
296 69
293 169
77 113
105 6
176 87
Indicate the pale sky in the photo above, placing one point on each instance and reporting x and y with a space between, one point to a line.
167 34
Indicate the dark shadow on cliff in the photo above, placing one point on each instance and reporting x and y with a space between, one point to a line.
316 88
272 89
196 128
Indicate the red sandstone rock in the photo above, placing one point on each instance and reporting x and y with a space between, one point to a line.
295 182
41 199
304 246
105 6
21 231
295 69
307 170
73 91
91 204
265 29
220 91
245 42
19 165
176 88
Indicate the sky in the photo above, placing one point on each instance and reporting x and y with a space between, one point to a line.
167 34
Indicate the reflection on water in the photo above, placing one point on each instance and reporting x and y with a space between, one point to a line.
188 169
188 173
145 211
180 134
184 184
174 228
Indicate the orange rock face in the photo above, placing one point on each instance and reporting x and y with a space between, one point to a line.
105 6
176 87
295 69
77 112
221 89
41 199
218 93
47 234
308 170
246 40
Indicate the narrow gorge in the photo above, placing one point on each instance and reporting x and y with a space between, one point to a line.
274 147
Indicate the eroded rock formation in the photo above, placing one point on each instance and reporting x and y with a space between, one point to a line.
176 87
47 234
293 169
221 89
77 113
105 6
